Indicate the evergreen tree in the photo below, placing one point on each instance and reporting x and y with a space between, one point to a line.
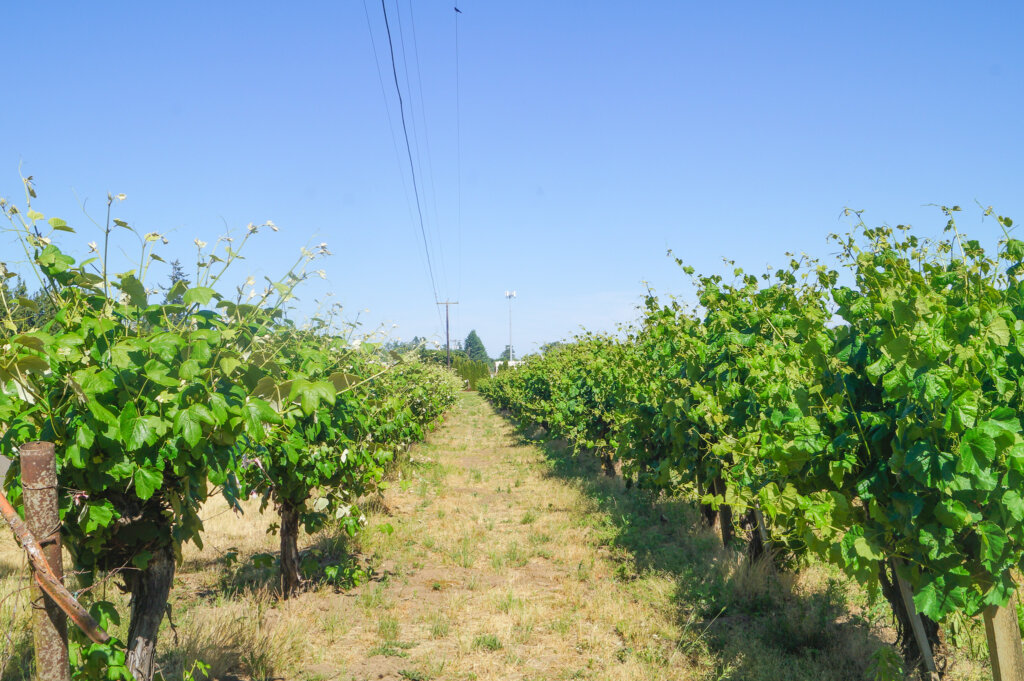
470 370
474 347
177 274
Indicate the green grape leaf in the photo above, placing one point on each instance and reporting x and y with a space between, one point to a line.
134 290
198 294
977 450
99 516
147 481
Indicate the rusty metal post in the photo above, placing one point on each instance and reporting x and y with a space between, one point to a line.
49 624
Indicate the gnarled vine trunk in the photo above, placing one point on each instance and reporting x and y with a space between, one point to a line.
724 512
707 512
608 464
150 589
757 547
291 579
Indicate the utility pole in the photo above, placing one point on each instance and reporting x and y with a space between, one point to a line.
510 295
447 335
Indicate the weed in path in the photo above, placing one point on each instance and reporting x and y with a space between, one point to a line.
584 569
512 555
375 598
388 628
439 625
464 553
561 625
414 675
334 625
536 538
487 642
509 602
391 649
523 629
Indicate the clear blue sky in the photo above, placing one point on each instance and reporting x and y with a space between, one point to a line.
594 137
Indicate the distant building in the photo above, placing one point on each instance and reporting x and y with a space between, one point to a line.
500 364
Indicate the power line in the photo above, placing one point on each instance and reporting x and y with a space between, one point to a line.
458 154
387 109
408 150
412 110
429 180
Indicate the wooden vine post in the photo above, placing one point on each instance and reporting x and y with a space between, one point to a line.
1004 644
916 625
49 623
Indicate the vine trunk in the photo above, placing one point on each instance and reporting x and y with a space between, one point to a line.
291 579
150 589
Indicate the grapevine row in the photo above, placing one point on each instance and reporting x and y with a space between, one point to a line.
156 400
872 424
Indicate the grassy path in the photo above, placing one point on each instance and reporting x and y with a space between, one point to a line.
512 560
496 570
496 557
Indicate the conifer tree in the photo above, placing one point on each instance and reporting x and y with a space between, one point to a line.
474 347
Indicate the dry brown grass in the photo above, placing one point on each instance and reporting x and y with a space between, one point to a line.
15 639
253 636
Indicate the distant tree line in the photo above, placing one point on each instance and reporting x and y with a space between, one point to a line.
471 362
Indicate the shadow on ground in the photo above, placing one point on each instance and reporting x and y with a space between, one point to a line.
330 559
7 570
746 615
